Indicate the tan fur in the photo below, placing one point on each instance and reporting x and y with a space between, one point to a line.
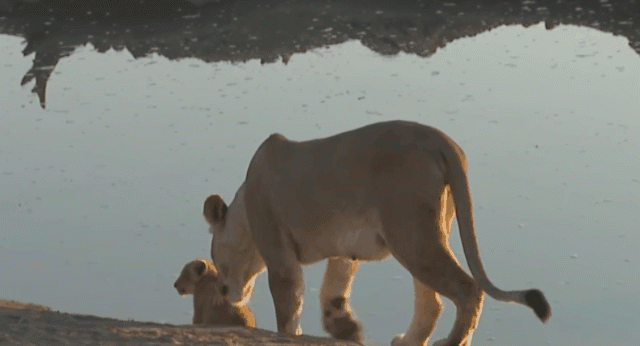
200 278
383 189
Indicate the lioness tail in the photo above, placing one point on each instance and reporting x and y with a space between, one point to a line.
457 180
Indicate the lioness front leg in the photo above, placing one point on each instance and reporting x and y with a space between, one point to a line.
287 289
337 317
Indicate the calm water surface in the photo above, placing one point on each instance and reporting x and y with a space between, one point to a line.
101 192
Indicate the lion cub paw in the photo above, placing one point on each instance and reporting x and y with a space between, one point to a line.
340 322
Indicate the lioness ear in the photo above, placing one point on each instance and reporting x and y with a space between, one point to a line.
215 210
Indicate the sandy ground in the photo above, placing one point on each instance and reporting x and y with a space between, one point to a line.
30 324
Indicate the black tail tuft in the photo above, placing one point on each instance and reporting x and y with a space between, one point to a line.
536 300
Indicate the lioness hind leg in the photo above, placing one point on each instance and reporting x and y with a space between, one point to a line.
427 307
446 277
337 317
449 280
417 239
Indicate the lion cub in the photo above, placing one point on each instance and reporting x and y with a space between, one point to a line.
200 278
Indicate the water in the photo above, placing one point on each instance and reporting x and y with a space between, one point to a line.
101 191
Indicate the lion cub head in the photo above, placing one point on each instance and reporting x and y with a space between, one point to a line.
200 278
192 273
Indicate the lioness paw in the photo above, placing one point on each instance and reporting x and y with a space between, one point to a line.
346 328
441 342
398 340
445 342
342 324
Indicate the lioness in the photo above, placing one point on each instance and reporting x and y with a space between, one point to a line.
387 188
200 278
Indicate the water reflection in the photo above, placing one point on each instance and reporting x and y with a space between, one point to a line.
270 30
102 190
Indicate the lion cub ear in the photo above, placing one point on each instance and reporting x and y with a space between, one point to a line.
200 268
215 210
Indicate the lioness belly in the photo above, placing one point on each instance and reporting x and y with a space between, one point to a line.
356 236
362 244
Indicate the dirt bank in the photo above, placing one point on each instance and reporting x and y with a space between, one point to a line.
30 324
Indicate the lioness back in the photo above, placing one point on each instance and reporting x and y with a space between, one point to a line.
324 190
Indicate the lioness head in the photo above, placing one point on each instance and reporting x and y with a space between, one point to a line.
232 249
191 274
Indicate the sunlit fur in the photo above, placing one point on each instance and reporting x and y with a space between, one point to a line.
385 189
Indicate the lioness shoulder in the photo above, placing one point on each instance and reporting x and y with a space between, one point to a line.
200 278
